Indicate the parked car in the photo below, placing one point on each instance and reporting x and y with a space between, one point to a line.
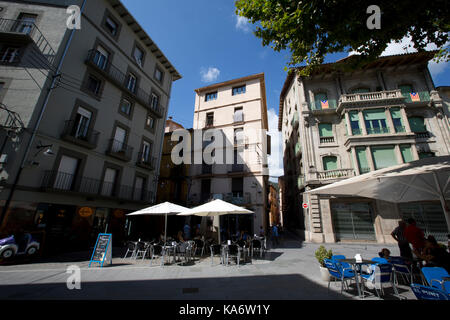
10 247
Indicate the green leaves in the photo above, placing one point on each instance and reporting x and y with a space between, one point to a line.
312 29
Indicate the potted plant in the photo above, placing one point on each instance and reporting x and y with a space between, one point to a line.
321 255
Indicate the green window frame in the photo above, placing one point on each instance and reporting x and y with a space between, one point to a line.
325 130
384 157
329 163
405 149
361 156
375 120
417 124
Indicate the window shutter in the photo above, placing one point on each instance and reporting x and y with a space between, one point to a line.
326 130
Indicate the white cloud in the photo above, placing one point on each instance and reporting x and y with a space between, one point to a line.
210 74
406 46
275 160
242 23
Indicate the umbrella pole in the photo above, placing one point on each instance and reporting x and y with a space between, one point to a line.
219 237
165 230
441 197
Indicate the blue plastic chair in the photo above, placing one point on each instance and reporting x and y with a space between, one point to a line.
340 264
380 260
428 293
401 268
434 277
380 274
338 272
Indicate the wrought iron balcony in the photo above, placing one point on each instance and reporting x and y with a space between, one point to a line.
335 174
120 150
120 79
23 30
80 135
400 129
145 161
237 198
65 182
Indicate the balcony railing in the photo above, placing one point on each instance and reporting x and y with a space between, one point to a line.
29 29
95 59
237 198
119 150
377 130
65 182
144 160
364 170
335 174
423 135
400 129
323 105
413 97
209 123
79 134
356 132
359 98
325 140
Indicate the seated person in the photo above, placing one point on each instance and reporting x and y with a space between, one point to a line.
434 255
385 253
180 236
162 237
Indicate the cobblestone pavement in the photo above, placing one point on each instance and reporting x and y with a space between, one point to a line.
287 272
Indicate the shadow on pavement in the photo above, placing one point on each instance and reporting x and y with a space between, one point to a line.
267 287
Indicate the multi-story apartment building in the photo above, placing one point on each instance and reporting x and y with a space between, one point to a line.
237 110
274 211
88 107
338 123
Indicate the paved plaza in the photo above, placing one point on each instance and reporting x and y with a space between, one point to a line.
287 272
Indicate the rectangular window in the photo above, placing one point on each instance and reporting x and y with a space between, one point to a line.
125 106
146 151
211 96
210 119
329 163
155 101
417 124
239 136
363 164
397 119
375 121
10 54
150 123
94 85
325 130
238 114
138 188
25 23
111 26
82 121
101 57
354 122
67 171
239 90
139 56
158 74
406 152
237 187
321 101
131 83
383 157
119 140
109 182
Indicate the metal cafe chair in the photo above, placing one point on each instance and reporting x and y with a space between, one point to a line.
339 273
233 251
199 246
156 250
217 250
141 250
256 246
131 248
381 274
428 293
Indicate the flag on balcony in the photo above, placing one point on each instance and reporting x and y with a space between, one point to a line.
324 104
414 96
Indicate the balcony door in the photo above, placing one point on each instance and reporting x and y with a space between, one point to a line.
146 151
66 173
109 181
237 189
101 57
25 23
82 122
119 140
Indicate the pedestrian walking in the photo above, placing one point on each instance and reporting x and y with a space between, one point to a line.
275 235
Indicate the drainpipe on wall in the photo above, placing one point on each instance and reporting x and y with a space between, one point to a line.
36 126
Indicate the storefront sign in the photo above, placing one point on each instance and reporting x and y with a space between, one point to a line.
85 212
102 250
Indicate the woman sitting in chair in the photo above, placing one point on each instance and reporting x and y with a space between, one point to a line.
434 255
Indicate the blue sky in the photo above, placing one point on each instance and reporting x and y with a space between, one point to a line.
205 40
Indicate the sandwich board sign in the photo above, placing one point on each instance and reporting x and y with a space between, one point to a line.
102 250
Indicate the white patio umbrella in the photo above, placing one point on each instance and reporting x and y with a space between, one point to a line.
166 209
215 208
422 180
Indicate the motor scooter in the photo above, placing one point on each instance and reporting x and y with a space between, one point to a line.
10 247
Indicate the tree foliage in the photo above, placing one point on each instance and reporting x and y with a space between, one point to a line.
313 28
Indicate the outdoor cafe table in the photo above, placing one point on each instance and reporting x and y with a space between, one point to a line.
170 249
356 266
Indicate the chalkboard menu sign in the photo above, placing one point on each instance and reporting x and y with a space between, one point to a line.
102 250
